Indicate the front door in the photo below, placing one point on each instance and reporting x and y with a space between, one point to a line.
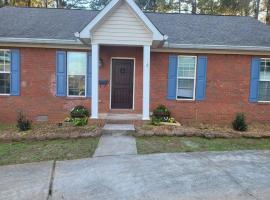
122 84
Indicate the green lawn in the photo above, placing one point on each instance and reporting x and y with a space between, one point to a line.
32 151
163 144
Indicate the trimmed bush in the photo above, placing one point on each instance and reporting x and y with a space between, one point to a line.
78 116
239 123
23 124
80 121
79 112
161 113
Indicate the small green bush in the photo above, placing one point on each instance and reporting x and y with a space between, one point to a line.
155 121
23 124
80 121
239 123
161 113
79 112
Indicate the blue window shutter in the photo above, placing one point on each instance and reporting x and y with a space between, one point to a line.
201 78
15 83
254 79
89 75
61 73
172 77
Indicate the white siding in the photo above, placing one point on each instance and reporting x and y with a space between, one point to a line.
122 26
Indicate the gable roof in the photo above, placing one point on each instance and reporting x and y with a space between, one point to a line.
182 29
85 33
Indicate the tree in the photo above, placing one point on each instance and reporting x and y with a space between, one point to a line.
257 8
211 7
266 10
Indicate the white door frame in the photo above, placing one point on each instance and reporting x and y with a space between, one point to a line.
134 64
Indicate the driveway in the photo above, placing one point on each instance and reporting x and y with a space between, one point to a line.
227 175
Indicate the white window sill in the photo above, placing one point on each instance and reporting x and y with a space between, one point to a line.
76 97
185 100
264 102
4 95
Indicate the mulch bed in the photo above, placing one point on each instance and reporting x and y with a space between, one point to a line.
206 131
49 131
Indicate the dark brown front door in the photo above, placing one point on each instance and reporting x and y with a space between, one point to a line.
122 84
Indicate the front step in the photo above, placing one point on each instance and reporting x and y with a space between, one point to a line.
118 129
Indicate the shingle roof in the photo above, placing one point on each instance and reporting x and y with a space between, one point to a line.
181 28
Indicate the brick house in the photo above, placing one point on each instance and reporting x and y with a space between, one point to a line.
122 61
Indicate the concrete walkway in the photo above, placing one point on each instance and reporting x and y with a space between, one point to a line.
178 176
115 145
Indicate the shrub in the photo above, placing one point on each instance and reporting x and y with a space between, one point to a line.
80 121
23 124
162 113
79 112
155 121
239 122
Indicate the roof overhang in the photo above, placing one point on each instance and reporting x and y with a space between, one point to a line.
40 42
216 47
86 32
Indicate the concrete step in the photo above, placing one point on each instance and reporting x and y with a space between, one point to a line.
118 129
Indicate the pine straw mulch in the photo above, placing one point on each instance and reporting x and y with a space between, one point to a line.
48 131
255 130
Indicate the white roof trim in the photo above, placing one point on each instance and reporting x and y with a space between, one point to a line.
85 33
40 41
216 47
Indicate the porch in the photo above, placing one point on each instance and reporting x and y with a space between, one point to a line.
120 82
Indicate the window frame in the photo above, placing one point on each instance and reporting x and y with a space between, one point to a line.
5 72
262 101
195 78
85 79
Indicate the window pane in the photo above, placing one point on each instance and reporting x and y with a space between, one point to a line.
77 62
7 67
186 67
265 70
185 88
7 57
4 83
2 57
264 91
76 85
5 61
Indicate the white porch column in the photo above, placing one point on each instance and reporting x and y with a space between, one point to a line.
95 69
146 82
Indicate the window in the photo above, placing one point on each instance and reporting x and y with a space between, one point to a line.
76 73
264 85
186 73
4 72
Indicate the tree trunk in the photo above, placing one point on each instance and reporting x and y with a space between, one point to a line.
268 13
257 9
194 6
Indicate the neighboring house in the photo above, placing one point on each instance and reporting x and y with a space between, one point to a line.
121 60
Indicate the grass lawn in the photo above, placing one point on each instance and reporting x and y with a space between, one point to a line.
163 144
32 151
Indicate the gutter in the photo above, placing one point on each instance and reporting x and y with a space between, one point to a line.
40 41
77 43
215 47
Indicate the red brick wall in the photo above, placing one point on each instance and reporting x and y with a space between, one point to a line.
38 89
226 93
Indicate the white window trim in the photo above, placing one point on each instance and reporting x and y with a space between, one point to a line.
85 80
195 78
268 59
5 72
